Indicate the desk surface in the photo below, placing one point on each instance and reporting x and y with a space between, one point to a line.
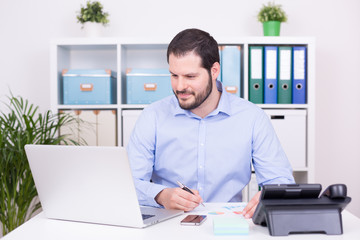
40 228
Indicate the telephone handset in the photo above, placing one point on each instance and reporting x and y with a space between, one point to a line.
335 191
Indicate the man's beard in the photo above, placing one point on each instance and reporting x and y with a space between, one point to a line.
199 99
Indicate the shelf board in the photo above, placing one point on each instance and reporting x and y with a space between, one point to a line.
133 106
91 42
265 40
163 42
305 169
93 106
141 106
283 106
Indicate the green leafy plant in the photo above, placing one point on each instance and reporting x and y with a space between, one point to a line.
21 124
271 12
93 12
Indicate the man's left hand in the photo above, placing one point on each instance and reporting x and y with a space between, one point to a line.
249 210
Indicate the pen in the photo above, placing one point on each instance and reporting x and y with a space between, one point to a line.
183 187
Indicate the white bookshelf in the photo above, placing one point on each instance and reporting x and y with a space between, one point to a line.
118 54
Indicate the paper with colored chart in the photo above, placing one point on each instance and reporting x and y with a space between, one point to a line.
221 209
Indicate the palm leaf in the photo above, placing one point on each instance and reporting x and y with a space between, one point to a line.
21 124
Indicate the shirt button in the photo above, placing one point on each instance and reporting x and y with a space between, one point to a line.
200 166
201 144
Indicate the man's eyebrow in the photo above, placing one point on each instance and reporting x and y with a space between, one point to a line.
186 74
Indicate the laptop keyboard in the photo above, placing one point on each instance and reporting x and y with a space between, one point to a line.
146 216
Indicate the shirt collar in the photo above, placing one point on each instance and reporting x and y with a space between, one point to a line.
223 106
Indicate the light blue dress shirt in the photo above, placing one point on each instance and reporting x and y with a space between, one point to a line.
212 154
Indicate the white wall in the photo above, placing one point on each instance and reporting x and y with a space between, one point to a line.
26 28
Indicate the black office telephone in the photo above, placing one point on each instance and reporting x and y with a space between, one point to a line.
299 208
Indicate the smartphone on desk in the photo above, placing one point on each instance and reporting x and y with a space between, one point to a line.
193 220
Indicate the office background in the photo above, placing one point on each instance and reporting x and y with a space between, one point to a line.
26 28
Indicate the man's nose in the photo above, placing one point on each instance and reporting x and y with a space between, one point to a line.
181 84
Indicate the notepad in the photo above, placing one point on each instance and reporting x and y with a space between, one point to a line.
230 226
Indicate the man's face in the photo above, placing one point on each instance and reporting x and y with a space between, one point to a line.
191 83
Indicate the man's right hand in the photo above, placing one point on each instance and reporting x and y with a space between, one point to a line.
177 198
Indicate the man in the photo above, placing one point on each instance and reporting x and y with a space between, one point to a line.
202 136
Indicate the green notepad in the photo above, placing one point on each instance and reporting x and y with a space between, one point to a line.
230 226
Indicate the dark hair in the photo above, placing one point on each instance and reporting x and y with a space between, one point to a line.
201 42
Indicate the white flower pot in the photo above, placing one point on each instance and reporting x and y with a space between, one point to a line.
93 29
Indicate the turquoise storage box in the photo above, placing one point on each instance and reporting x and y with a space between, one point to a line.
144 86
97 86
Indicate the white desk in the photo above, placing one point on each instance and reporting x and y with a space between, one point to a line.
39 228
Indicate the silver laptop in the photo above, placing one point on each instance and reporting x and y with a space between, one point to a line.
89 184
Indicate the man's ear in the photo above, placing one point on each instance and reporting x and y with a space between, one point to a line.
215 70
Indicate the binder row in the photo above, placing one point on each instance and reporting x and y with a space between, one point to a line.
277 74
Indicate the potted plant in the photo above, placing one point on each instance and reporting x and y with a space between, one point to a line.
271 16
93 18
21 124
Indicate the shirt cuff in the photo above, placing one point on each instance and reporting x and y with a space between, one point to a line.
152 191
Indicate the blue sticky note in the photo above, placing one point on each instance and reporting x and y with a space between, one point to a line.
230 226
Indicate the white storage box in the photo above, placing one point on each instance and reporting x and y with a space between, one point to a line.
290 127
129 118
